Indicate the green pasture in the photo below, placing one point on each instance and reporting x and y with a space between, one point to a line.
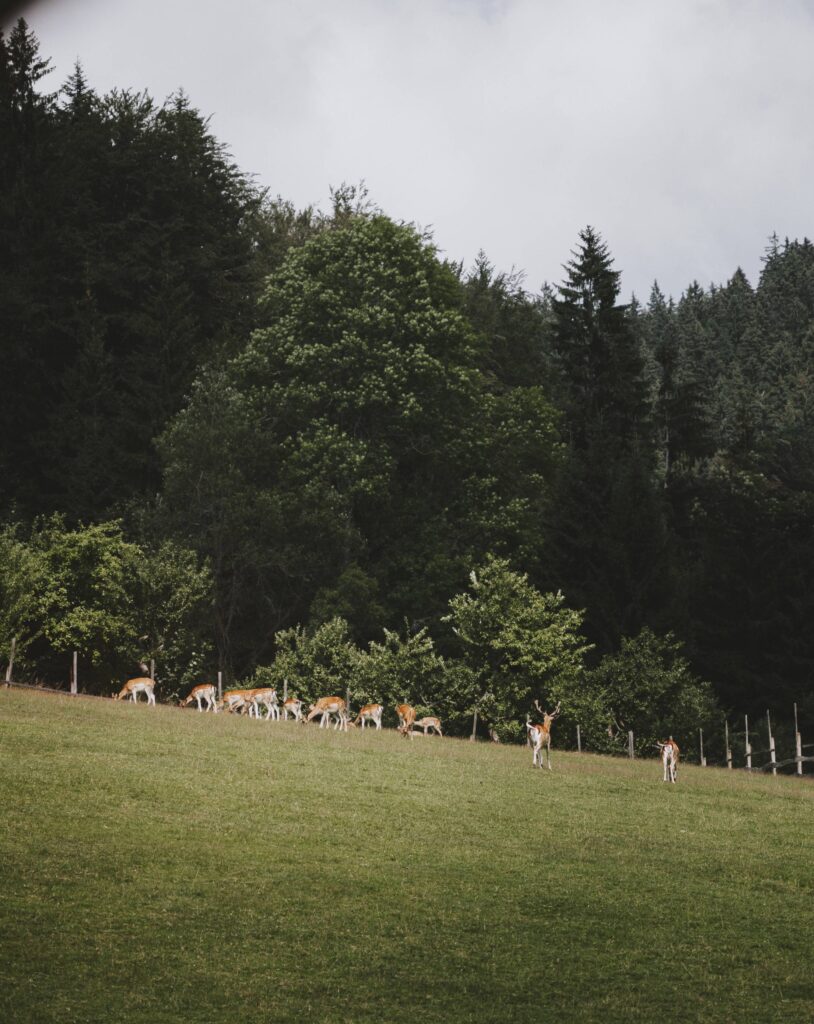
164 866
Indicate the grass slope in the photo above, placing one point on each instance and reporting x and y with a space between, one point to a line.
165 866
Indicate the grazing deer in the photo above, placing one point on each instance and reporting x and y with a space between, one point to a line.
370 713
430 722
133 687
204 692
669 759
406 713
235 700
327 706
293 707
540 735
267 696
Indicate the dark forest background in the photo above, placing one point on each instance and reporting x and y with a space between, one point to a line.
238 417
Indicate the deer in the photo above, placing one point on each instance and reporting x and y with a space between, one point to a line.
669 759
406 713
327 706
430 722
235 700
293 707
133 687
204 692
540 735
370 713
267 696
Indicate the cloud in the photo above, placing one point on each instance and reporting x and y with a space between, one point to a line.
680 131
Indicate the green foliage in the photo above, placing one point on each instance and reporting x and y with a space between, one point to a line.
319 662
117 604
350 459
519 644
648 686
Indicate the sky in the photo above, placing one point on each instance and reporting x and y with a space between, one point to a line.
681 131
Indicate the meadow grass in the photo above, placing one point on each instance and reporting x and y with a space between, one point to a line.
168 866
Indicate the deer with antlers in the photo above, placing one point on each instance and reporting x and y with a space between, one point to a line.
370 713
540 734
669 759
133 687
204 692
327 706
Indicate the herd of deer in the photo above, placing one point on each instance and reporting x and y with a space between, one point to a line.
253 701
329 708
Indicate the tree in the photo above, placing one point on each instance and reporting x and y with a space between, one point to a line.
648 687
346 462
607 539
518 643
92 590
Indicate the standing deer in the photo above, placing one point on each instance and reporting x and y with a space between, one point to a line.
133 687
327 706
293 707
540 735
406 713
203 692
267 696
370 713
430 722
669 759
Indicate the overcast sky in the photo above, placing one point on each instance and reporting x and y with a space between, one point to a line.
682 130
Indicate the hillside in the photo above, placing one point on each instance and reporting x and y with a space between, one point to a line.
166 866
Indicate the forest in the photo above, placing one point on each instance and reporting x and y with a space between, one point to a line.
292 443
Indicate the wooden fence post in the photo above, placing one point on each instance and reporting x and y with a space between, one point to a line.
579 741
728 749
772 756
701 743
74 674
10 668
285 689
748 744
798 741
220 685
630 744
474 726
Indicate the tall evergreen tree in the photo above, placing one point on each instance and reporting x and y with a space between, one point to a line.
608 541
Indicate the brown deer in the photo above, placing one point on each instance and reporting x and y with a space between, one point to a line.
406 713
327 706
203 692
540 735
370 713
133 687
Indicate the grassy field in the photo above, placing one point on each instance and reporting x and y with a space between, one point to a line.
167 866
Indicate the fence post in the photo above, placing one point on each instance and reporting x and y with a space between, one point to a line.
474 726
74 680
14 645
798 741
152 669
772 756
748 744
701 741
220 685
726 743
285 689
630 744
579 741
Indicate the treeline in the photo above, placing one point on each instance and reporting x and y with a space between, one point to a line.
303 421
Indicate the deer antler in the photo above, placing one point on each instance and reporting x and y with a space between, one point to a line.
555 713
537 705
